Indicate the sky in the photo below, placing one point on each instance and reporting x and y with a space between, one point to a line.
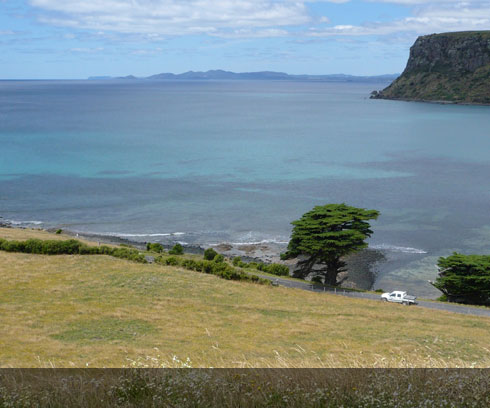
70 39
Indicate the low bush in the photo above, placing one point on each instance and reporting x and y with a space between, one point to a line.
274 269
59 231
219 258
69 247
210 254
237 261
155 247
277 269
177 250
220 269
173 261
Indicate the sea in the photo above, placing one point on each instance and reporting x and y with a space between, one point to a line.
207 162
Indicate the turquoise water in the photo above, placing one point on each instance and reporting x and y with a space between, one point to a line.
237 161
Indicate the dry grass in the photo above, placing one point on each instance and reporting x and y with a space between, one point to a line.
96 311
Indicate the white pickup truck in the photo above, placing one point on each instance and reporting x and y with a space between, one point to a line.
399 296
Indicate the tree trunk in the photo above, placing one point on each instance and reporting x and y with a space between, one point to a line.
334 267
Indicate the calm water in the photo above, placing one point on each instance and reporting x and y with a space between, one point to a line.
237 161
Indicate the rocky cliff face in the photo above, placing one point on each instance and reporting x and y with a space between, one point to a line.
450 67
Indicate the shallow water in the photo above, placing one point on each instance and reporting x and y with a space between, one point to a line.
206 162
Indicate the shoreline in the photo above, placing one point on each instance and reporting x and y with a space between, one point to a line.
436 102
361 266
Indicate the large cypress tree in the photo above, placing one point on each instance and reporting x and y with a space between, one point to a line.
322 236
465 278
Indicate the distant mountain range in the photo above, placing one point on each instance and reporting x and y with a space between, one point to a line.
263 75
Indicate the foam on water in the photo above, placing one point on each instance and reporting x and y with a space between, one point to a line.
141 235
395 248
264 241
18 223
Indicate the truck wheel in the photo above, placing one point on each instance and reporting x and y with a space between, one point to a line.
385 300
406 303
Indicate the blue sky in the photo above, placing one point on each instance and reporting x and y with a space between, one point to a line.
81 38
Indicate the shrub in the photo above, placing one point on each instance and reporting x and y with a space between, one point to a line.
69 247
173 261
190 264
59 231
220 269
209 254
219 258
273 269
130 254
379 291
177 250
154 247
277 269
11 246
236 261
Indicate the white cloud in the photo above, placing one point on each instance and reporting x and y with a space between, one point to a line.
175 17
154 19
427 17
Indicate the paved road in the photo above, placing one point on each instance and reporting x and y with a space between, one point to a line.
449 307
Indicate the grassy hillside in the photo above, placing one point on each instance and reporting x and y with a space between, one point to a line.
98 311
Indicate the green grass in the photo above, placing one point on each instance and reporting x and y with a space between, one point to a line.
107 329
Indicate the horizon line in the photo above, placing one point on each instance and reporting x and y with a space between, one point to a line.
134 77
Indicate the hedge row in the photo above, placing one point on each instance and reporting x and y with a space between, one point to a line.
68 247
220 269
274 268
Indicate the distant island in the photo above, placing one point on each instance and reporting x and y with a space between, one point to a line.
262 75
448 67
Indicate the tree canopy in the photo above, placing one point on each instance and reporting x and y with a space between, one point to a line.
465 278
322 236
